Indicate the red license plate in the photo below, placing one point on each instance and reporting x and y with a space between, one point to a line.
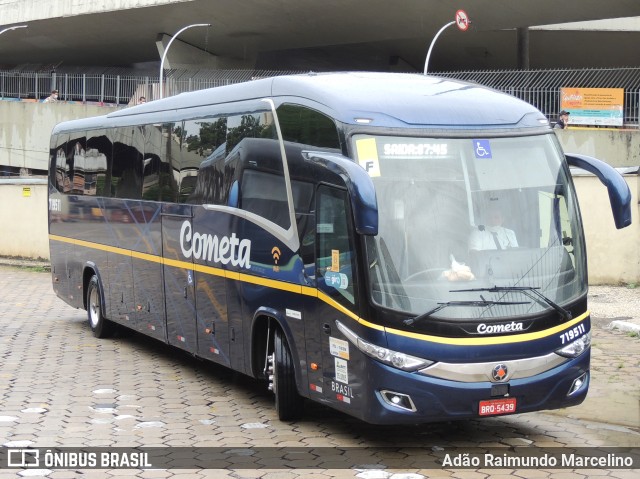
494 407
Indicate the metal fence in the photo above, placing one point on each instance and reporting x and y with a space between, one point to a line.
541 88
116 89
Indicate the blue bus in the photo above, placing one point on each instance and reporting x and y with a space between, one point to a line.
401 248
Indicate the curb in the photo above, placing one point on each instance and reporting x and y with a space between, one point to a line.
24 263
626 326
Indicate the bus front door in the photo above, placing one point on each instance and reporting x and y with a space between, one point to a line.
178 276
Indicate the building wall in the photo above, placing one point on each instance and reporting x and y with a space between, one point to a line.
25 129
23 216
616 147
613 255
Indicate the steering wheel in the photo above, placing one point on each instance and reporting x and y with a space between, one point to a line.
430 271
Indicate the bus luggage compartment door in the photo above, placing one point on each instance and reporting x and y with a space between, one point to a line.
178 276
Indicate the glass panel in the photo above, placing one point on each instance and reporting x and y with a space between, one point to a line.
61 179
466 214
98 157
76 150
336 254
159 183
300 124
128 152
200 173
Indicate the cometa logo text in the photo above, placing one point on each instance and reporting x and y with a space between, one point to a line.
213 249
500 328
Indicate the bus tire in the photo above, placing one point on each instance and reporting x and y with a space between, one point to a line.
289 404
101 326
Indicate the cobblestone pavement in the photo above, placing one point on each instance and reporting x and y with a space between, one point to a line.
59 386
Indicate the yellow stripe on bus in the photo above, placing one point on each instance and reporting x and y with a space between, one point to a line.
483 341
308 291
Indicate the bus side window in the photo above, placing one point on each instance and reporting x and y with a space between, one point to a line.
128 150
75 159
58 160
303 125
200 160
98 159
335 265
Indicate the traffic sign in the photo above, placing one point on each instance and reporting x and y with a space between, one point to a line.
462 20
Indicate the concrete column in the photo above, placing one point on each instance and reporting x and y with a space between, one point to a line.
523 48
183 56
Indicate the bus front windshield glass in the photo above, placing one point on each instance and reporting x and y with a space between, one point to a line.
472 228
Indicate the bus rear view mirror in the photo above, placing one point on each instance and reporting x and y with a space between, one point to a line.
619 192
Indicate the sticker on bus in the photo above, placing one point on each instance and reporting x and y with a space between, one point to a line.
342 370
339 348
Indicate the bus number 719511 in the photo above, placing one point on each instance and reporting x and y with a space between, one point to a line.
573 333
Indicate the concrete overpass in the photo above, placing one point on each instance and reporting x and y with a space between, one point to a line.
305 34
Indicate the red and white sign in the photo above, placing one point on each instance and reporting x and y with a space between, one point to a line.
462 20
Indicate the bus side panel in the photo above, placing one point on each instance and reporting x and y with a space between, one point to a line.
58 250
212 321
273 260
120 234
148 290
178 274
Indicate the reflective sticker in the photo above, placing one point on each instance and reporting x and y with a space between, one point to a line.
339 348
368 156
152 327
181 338
214 350
343 398
315 387
342 370
292 313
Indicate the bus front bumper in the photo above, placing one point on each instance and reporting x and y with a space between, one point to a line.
413 398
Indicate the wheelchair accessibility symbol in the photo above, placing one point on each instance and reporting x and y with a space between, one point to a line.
482 148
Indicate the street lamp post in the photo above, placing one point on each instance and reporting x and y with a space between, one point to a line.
164 55
13 28
426 62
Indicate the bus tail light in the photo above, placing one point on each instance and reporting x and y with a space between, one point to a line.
576 348
396 359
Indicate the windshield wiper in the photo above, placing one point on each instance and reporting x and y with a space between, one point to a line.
440 306
527 291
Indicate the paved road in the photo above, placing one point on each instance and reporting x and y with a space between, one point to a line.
59 386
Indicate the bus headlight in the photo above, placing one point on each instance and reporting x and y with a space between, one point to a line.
396 359
576 348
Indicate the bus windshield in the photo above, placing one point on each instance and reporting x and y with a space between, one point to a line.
473 227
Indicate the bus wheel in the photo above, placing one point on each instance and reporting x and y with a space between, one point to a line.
101 327
289 403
